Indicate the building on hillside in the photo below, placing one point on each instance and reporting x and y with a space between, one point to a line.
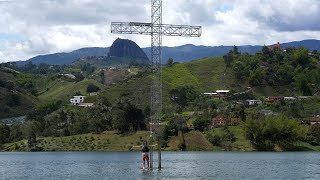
85 104
94 93
314 120
217 94
222 93
289 98
219 121
275 46
76 100
223 121
272 99
253 102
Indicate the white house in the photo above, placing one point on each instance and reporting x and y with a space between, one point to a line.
250 102
223 93
289 98
76 100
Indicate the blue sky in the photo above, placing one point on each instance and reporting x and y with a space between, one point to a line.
33 27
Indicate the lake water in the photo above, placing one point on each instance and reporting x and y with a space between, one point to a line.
176 165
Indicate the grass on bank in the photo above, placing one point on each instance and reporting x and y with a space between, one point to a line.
106 141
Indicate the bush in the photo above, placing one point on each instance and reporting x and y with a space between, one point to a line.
201 123
215 140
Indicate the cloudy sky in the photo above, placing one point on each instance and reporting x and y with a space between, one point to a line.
33 27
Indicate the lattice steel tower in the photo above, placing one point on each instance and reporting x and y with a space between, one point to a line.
156 29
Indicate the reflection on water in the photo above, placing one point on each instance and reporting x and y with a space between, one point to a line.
176 165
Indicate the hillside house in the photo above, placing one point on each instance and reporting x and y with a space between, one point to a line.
222 93
289 98
272 99
314 120
222 121
76 100
219 121
253 102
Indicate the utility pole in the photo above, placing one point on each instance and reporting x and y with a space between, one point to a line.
156 30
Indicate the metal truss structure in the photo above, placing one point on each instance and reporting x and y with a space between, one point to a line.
156 30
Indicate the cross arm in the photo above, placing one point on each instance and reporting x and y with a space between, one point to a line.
147 29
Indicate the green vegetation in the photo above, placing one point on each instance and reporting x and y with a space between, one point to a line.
122 108
106 141
265 134
229 138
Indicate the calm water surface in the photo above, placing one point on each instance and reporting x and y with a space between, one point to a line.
176 165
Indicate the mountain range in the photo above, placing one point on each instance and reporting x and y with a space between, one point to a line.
183 53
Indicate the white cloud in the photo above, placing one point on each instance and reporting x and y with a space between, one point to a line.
50 26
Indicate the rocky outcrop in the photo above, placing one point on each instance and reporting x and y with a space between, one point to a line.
127 48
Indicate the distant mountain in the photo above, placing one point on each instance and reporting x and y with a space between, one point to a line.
67 58
190 52
183 53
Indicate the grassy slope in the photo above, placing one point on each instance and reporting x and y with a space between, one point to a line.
194 140
207 74
63 90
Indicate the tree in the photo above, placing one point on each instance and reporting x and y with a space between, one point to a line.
92 88
315 133
100 118
31 130
264 134
79 76
10 86
170 62
256 77
201 123
13 100
4 134
228 59
236 50
102 76
303 85
301 57
127 117
183 96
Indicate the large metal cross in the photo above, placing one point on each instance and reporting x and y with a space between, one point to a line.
156 29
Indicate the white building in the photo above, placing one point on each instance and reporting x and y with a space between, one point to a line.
289 98
250 102
223 93
76 100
